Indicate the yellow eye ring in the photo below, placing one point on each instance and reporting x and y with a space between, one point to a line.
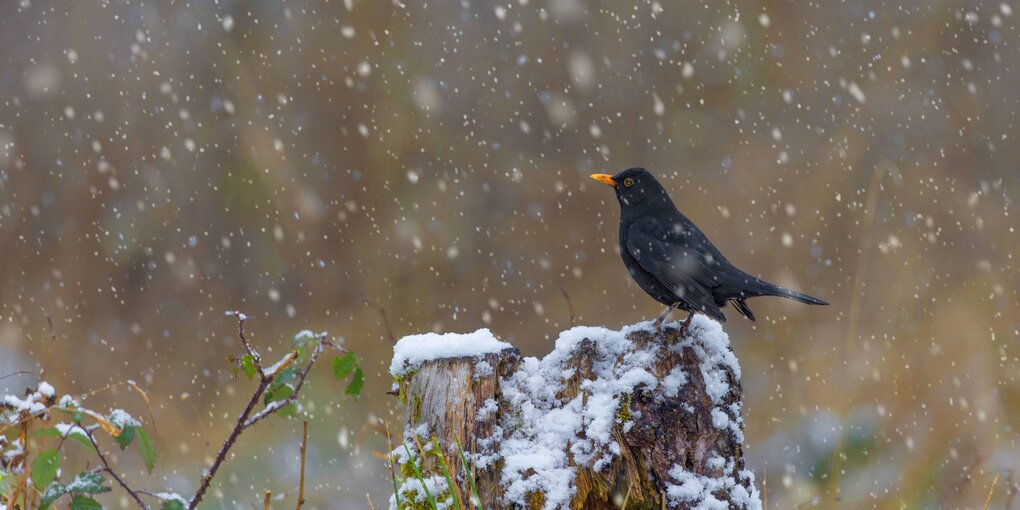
628 182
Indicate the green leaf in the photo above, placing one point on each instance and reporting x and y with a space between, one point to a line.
286 375
127 434
279 393
147 448
45 467
53 493
172 504
356 384
343 366
85 503
75 434
248 365
289 411
88 482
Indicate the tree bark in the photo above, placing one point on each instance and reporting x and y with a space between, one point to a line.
674 436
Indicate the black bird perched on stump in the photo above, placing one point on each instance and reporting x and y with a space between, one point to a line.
672 260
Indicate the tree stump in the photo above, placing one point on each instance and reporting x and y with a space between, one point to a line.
608 419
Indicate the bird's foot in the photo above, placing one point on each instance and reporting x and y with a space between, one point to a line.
657 326
685 328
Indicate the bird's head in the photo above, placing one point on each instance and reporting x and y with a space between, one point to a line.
636 186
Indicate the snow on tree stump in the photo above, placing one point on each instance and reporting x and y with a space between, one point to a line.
607 417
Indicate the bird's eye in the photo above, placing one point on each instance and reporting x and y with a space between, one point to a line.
628 182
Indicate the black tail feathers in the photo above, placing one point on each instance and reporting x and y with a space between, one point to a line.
744 310
749 287
770 289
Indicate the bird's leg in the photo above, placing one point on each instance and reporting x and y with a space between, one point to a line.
662 318
686 326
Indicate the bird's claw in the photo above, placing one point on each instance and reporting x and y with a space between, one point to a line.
685 328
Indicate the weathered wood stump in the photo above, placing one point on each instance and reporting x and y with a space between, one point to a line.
609 418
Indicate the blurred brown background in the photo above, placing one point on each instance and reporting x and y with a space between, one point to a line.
313 163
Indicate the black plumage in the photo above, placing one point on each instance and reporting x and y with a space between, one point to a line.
672 260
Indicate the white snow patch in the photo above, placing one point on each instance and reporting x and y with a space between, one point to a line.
720 419
482 369
698 491
673 381
46 389
411 351
490 406
534 456
172 496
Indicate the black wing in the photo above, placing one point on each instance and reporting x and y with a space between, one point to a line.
680 260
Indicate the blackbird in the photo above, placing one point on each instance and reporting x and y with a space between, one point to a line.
673 261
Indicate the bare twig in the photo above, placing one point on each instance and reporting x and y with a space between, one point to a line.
385 319
222 455
990 491
389 460
53 332
279 404
135 387
108 469
19 372
304 450
269 496
256 358
570 306
247 419
1013 490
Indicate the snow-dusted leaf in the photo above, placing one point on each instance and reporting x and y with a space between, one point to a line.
88 482
73 432
127 434
171 501
172 504
53 493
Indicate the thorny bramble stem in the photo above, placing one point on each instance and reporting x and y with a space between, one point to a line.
108 469
246 419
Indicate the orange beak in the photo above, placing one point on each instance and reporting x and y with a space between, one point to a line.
604 178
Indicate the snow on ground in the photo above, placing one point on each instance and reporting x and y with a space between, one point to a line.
411 351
